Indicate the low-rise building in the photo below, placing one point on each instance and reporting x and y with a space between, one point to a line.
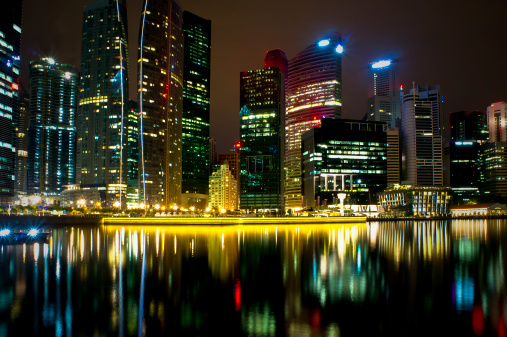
478 209
223 189
407 200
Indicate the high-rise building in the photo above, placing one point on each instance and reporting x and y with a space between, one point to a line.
10 49
160 92
468 132
21 142
344 156
422 137
383 93
496 121
232 159
52 132
103 96
393 157
132 154
314 92
223 189
196 103
262 139
212 154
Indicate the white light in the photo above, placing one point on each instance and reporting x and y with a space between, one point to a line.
5 232
67 75
33 232
51 61
323 43
339 49
381 64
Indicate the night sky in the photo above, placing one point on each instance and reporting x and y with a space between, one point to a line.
461 45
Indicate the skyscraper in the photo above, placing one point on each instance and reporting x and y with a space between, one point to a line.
102 118
497 120
314 92
262 138
10 49
52 131
21 141
132 154
160 92
196 103
422 137
383 93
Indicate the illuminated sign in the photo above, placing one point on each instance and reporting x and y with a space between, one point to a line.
323 43
381 64
339 49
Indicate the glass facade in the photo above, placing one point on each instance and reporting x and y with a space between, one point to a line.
196 103
52 131
102 118
160 93
132 154
10 49
344 156
414 201
314 92
261 134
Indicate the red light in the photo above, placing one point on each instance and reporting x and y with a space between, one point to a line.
15 86
401 87
238 145
237 295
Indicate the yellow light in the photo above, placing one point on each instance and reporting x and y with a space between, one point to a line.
163 208
116 204
207 209
157 206
141 205
222 211
81 202
175 207
192 208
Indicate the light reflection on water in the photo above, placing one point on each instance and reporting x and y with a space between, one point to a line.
402 278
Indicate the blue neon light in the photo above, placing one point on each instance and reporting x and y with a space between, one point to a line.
339 49
323 43
381 64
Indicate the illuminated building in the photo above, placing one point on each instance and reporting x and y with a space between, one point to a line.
212 154
223 189
383 93
262 139
478 209
494 168
21 139
496 119
468 132
196 103
132 154
10 49
232 159
314 92
160 94
422 134
52 131
410 200
393 156
344 156
103 96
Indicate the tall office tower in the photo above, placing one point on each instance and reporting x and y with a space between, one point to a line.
497 119
277 58
383 93
213 159
393 156
196 103
160 95
344 156
52 132
21 143
132 141
468 132
10 49
102 117
422 137
314 92
262 139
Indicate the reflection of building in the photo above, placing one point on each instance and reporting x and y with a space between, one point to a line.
196 104
262 138
409 200
52 131
103 96
223 189
344 156
10 50
383 93
314 92
160 92
478 209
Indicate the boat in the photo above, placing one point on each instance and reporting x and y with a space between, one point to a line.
33 235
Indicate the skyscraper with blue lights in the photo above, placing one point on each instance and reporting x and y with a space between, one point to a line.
10 49
52 131
314 92
196 104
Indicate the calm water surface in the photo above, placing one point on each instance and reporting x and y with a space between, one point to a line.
390 279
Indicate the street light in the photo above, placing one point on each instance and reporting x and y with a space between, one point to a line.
116 204
81 202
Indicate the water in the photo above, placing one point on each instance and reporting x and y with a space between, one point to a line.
377 279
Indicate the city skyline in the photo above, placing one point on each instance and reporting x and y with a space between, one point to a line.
440 54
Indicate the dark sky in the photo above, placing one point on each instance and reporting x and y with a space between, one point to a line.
461 45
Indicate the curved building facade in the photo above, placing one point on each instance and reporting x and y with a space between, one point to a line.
160 92
314 92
